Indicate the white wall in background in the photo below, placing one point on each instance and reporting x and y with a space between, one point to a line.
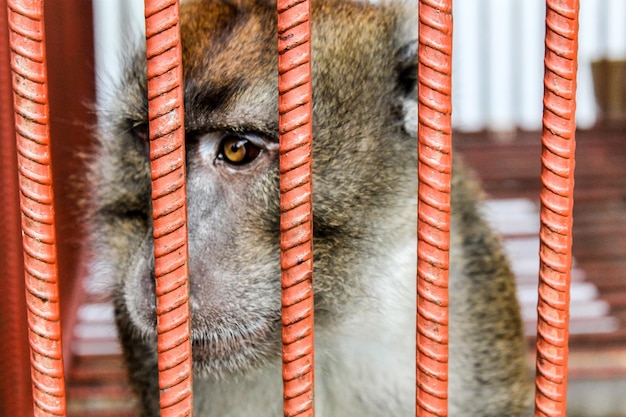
117 25
498 56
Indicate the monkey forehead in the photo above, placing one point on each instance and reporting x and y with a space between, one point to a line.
230 57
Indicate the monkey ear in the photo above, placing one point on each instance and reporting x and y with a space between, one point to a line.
406 72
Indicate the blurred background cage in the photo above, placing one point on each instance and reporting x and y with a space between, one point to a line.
497 97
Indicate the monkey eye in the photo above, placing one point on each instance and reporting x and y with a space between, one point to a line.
237 150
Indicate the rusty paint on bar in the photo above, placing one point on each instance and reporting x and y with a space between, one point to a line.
296 247
28 61
434 173
167 155
557 201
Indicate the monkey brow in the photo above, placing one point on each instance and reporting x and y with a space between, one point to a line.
206 96
207 99
209 108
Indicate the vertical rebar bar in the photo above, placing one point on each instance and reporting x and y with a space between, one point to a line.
15 383
167 155
434 174
557 203
296 219
28 61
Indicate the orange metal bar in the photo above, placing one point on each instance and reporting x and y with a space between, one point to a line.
28 61
434 173
296 219
167 154
15 383
557 200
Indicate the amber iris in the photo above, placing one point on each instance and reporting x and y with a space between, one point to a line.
238 150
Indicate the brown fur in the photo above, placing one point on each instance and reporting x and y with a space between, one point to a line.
365 161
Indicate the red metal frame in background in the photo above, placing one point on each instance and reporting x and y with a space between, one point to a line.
28 62
167 154
434 171
15 383
296 219
557 201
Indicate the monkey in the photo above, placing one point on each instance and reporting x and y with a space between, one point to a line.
364 75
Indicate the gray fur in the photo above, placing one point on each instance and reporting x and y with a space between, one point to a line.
365 163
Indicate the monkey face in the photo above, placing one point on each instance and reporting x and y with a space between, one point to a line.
364 176
234 303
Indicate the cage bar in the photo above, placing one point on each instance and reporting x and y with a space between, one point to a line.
557 201
296 219
167 160
434 174
15 383
28 62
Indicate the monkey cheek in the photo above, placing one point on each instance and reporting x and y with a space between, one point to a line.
139 288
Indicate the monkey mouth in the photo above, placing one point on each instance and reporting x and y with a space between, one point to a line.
234 350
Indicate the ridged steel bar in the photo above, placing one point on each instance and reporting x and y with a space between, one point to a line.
434 174
15 382
167 155
296 219
557 201
28 62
